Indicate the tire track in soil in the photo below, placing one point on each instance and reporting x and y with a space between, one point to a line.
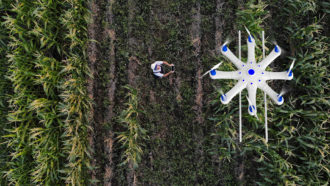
108 140
94 92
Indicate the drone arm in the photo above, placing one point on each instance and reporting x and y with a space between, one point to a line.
226 52
251 49
271 93
271 57
226 98
278 75
252 91
225 75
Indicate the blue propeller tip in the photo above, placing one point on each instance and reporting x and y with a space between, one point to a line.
213 72
223 97
224 48
277 50
251 108
250 40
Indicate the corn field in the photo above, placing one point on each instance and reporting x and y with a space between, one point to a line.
79 104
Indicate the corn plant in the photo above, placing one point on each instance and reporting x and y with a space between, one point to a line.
253 15
22 75
47 136
75 102
5 90
131 138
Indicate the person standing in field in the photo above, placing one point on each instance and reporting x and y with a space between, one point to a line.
158 69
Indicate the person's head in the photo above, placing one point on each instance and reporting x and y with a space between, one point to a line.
157 67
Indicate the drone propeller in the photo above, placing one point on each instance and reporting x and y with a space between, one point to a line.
213 68
291 66
221 92
250 104
285 89
247 30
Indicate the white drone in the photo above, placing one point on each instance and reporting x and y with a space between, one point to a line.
251 75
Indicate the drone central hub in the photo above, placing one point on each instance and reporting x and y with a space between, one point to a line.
251 72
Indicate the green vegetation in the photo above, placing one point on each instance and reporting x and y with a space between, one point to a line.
47 131
133 135
5 91
72 113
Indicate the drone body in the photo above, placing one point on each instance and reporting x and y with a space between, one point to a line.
251 75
